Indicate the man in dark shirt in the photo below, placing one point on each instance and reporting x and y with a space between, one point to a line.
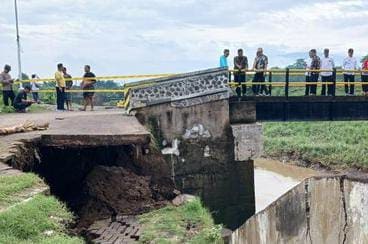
88 85
68 87
240 65
21 102
315 65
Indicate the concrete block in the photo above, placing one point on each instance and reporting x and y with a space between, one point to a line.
248 141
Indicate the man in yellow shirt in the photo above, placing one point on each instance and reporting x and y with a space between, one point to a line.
60 87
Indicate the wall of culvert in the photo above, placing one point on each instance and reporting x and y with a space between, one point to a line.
319 210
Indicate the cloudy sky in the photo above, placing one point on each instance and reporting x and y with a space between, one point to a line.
154 36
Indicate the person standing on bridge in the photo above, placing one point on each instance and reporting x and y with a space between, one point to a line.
223 59
327 63
260 65
88 85
68 87
240 66
307 65
349 65
60 87
365 77
314 74
7 82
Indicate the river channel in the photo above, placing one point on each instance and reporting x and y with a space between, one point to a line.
273 178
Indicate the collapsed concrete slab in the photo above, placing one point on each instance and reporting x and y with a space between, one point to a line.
95 130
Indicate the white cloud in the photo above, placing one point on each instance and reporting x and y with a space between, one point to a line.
121 37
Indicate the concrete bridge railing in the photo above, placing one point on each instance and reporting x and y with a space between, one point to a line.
181 88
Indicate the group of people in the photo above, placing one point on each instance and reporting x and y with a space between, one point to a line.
64 84
326 64
19 101
241 64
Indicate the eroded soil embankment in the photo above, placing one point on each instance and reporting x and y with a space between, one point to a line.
101 182
112 191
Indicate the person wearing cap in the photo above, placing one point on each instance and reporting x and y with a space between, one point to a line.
7 85
21 102
60 87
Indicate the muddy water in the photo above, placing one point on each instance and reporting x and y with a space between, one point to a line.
273 178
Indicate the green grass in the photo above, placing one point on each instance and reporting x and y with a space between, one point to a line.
11 185
168 225
35 108
29 222
335 144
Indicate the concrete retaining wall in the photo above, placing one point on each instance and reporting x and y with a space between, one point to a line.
319 210
199 144
188 117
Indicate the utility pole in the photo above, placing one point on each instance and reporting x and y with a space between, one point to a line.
18 42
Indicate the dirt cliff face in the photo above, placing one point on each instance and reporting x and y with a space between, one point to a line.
100 182
118 191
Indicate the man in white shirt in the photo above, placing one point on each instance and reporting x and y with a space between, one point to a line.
307 65
327 63
350 64
35 88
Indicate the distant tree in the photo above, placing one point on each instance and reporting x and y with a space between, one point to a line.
299 64
25 76
109 84
364 58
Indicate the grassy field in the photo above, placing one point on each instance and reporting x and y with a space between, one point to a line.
171 225
35 108
334 144
11 187
41 219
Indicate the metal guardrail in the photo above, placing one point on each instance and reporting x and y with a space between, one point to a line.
287 73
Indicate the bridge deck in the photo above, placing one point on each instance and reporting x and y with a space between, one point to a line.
299 108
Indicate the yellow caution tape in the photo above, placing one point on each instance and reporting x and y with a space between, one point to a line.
118 77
